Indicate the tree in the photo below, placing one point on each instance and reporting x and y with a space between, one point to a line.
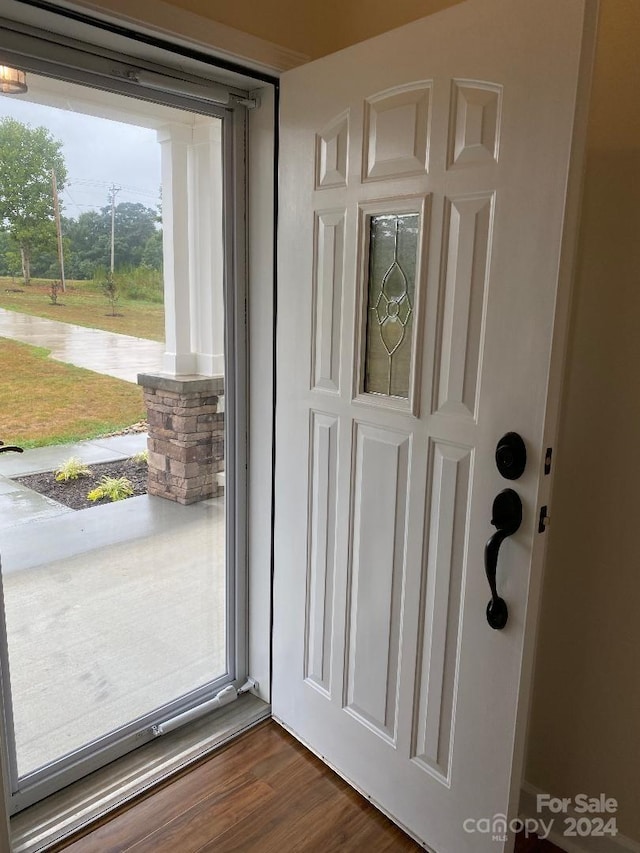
110 288
134 225
9 255
89 237
137 239
152 252
27 157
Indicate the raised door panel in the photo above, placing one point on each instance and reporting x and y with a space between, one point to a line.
441 596
466 257
396 132
475 123
321 549
380 502
328 285
332 153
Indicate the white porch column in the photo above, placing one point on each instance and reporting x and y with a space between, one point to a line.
206 248
175 140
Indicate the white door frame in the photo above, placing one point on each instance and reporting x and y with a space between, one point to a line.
559 352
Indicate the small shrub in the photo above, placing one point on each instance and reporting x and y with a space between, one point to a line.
140 284
114 488
71 469
111 291
141 458
54 289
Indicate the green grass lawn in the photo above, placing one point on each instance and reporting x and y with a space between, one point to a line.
84 304
47 402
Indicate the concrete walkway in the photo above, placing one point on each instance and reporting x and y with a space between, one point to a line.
110 611
120 356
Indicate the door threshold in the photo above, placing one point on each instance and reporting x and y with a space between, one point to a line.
66 812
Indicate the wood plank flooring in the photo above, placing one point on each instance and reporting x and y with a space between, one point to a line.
264 793
535 845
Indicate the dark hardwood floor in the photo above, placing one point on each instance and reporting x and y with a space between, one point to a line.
263 793
534 845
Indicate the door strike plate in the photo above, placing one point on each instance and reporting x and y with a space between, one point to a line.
543 521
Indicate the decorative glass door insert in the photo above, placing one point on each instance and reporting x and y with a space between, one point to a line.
393 251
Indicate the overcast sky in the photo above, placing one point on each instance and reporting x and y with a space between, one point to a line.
98 152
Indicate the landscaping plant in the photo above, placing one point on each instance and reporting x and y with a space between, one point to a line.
114 488
71 469
110 289
54 288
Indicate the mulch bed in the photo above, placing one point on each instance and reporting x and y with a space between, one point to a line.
73 493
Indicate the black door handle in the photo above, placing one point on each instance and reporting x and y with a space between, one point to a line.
507 518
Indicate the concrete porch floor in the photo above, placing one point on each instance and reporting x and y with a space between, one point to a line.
110 611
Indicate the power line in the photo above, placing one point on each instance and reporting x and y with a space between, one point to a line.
140 191
126 187
79 204
85 183
72 199
91 181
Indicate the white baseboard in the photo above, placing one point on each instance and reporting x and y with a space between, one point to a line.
590 844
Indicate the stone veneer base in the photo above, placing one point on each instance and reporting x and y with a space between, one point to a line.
186 436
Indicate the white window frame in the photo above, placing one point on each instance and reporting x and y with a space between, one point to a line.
250 501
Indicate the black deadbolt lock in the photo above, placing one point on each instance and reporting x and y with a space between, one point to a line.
511 456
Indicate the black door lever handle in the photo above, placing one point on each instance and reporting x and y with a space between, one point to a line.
507 518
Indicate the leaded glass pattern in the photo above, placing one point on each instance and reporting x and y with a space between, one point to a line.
393 252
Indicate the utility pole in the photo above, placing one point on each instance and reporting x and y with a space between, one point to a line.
56 212
113 190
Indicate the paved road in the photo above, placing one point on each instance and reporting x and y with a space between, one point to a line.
121 356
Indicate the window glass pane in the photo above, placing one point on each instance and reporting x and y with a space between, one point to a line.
118 609
393 250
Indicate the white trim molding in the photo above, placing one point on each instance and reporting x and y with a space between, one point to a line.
210 36
589 844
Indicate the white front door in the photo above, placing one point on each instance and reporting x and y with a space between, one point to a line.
423 180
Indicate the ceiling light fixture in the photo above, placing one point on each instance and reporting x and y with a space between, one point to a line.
12 81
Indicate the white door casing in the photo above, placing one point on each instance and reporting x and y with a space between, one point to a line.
384 663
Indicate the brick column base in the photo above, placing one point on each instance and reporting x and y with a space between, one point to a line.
186 436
